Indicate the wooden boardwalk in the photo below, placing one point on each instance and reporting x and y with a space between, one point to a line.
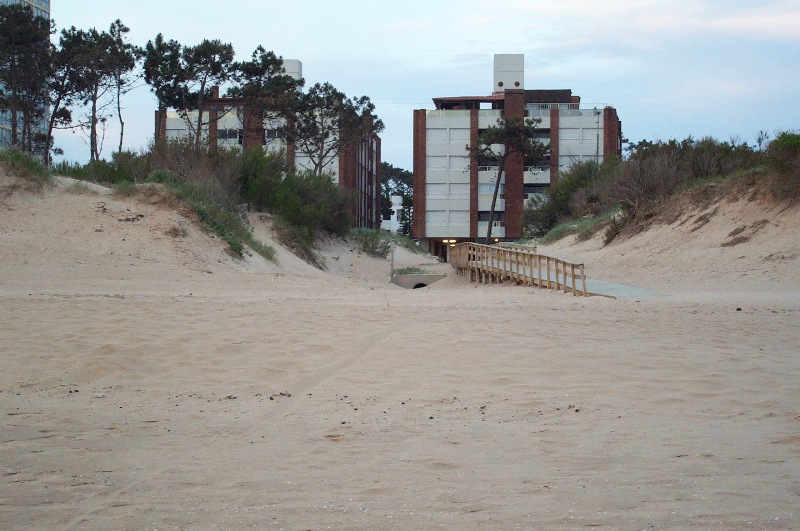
520 264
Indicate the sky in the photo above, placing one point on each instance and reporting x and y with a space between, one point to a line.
674 68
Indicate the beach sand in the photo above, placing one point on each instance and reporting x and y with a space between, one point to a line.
149 380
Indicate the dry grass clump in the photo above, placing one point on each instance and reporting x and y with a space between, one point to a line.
80 188
177 231
150 193
22 173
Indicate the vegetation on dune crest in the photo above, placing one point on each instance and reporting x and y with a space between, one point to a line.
217 183
31 175
379 243
619 193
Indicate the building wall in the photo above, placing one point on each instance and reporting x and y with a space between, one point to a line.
447 164
457 193
393 223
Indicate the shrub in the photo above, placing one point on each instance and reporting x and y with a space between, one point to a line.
564 199
401 240
69 169
261 176
216 172
299 239
784 157
375 243
124 189
219 218
313 203
660 169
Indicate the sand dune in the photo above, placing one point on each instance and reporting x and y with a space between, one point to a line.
150 380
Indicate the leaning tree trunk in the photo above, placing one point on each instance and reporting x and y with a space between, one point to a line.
93 129
494 198
119 115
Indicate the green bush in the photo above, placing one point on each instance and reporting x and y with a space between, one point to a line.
784 152
313 203
542 214
261 177
69 169
22 165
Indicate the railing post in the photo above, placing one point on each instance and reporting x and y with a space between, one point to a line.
547 258
572 275
583 282
496 264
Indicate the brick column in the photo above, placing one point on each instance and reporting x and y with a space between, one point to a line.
473 176
612 133
514 170
420 156
376 180
553 146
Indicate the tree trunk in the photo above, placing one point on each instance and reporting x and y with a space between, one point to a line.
200 102
119 115
159 122
93 127
14 101
494 198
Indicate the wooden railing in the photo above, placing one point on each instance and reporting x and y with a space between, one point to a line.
493 264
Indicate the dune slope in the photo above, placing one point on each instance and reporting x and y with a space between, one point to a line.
150 380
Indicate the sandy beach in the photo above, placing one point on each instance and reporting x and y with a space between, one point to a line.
149 380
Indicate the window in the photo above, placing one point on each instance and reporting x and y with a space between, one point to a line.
499 218
487 189
227 134
536 189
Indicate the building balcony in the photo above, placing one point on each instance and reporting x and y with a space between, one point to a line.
536 175
498 230
485 203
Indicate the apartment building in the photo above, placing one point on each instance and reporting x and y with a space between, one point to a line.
453 191
234 125
40 8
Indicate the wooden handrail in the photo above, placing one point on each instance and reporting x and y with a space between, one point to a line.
494 264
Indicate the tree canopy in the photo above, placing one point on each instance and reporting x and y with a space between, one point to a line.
24 70
83 78
326 122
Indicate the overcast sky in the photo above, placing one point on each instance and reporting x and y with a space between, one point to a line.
672 68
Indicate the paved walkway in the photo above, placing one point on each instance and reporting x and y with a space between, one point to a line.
594 287
607 289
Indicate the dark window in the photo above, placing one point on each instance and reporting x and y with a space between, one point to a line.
483 215
536 189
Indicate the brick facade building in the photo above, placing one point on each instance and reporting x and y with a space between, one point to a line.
233 124
452 192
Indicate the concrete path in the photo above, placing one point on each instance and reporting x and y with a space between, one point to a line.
594 287
607 289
